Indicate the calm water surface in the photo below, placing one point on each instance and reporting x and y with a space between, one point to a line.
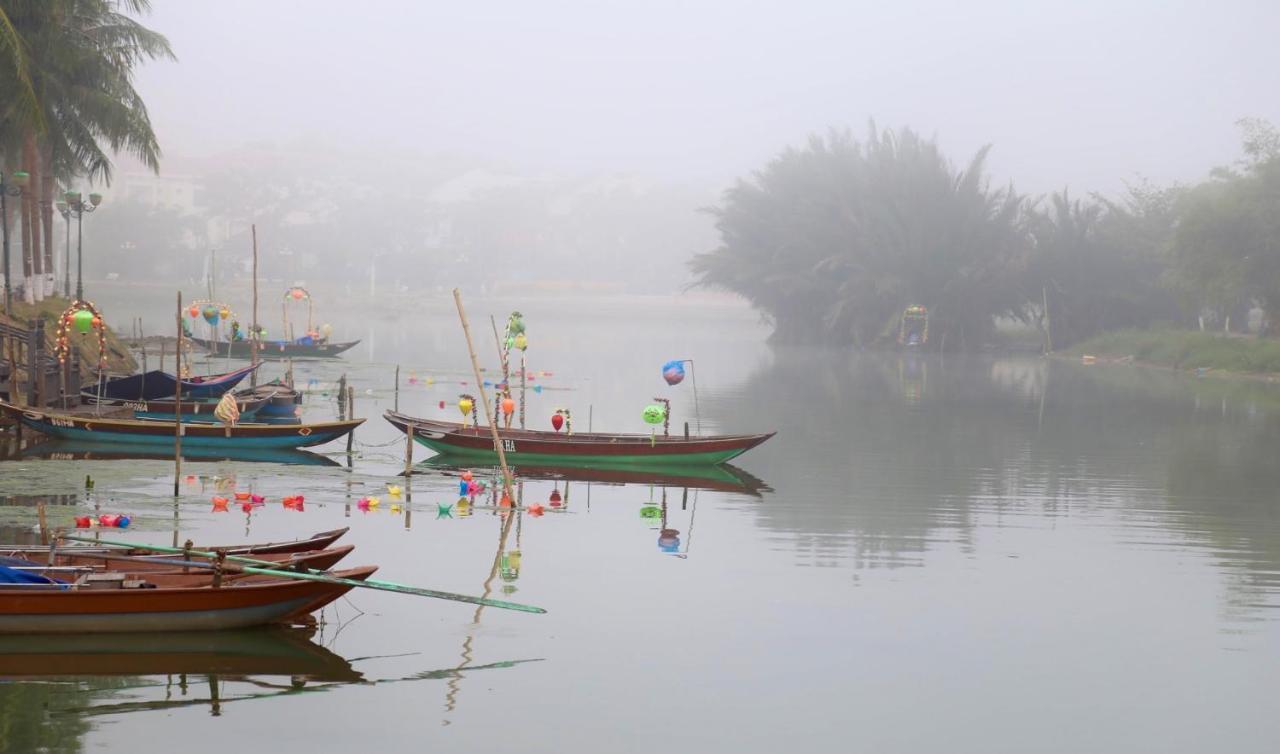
965 555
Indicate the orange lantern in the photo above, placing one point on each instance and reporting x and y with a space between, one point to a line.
508 406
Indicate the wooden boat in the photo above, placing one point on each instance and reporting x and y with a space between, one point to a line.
76 450
318 541
196 410
718 477
527 446
148 432
151 566
63 609
157 385
276 349
281 400
276 651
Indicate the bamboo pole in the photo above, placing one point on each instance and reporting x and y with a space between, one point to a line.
310 575
177 406
253 335
484 397
408 449
396 406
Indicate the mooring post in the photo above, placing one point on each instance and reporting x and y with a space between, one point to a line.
33 365
408 450
351 411
396 405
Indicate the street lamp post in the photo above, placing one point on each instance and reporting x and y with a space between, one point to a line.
65 211
77 206
19 180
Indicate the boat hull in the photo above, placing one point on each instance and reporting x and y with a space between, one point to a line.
239 349
548 448
211 436
65 611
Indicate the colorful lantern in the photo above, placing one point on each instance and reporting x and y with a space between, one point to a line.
465 405
654 414
557 421
225 313
194 311
210 314
673 372
297 294
521 341
650 512
83 320
508 406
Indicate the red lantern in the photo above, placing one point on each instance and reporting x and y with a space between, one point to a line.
297 294
194 311
557 421
467 476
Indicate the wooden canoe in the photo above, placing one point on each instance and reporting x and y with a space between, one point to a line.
240 604
275 349
535 447
722 477
134 431
77 450
150 566
317 541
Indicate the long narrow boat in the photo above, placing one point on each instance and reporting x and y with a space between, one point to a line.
152 566
318 541
281 399
196 410
157 385
77 450
241 604
548 448
276 349
148 432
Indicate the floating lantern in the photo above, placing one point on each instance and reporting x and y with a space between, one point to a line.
247 507
259 499
220 505
537 388
673 372
444 511
557 421
654 414
508 406
395 508
123 522
220 500
393 490
374 502
462 489
108 519
242 496
473 487
535 510
506 501
363 504
467 476
83 522
83 320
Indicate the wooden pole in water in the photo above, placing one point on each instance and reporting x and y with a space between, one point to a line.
351 414
396 406
253 335
484 397
177 406
408 449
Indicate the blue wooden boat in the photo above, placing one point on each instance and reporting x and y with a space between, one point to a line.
157 385
144 432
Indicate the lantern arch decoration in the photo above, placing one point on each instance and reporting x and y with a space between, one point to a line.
211 312
81 317
298 293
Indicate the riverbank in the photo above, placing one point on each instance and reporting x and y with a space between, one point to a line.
119 358
1187 350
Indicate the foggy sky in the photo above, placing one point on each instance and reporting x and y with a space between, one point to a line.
1087 94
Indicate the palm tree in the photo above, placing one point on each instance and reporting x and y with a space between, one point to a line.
78 57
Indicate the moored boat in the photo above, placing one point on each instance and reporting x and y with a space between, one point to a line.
135 431
548 448
63 608
276 349
157 385
318 541
153 566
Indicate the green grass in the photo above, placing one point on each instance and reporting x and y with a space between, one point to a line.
119 360
1187 349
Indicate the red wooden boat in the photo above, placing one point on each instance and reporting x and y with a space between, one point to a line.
150 566
255 601
317 541
535 447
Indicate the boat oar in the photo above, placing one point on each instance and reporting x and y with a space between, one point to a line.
386 586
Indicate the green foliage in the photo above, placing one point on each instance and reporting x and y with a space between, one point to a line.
1186 349
831 242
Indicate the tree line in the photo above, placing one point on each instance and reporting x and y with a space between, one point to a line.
831 241
67 105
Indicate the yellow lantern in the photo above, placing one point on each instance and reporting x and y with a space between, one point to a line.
521 341
225 313
465 405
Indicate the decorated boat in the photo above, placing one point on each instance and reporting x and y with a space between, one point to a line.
198 410
528 446
55 607
149 432
316 341
159 386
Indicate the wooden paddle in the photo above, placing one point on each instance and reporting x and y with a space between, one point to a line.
386 586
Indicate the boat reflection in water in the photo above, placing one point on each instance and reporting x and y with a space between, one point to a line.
718 477
87 451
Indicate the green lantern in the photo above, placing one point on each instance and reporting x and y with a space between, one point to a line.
83 320
654 414
650 512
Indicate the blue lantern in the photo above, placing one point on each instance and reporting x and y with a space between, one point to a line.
673 372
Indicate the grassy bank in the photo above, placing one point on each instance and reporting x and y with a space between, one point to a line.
1186 349
119 359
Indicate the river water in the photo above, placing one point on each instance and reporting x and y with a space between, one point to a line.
967 555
